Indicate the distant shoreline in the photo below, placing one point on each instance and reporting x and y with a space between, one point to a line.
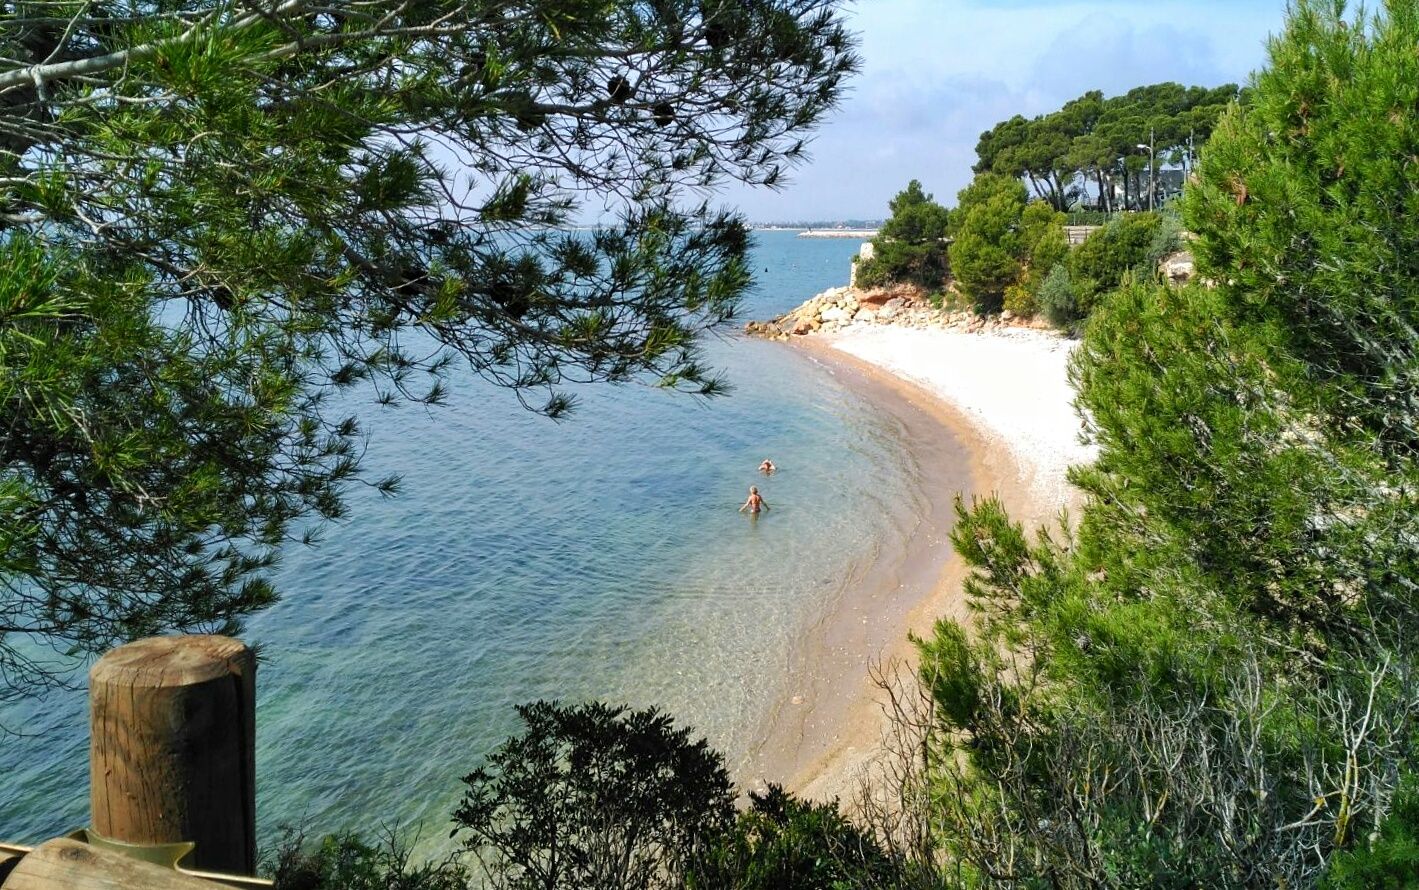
859 234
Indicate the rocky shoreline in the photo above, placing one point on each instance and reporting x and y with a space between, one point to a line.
844 307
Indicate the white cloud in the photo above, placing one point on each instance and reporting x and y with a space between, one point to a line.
937 73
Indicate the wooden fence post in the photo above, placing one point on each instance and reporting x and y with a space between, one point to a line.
172 749
70 865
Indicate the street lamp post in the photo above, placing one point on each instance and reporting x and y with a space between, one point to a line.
1152 164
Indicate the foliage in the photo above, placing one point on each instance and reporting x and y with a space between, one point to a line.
985 244
910 247
1122 248
1167 240
216 216
1057 298
344 862
1211 680
1389 860
1095 140
1003 244
595 796
1090 217
1043 245
783 843
1329 137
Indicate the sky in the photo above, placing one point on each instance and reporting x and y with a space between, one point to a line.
938 73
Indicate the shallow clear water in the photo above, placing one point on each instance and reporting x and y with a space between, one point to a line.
602 557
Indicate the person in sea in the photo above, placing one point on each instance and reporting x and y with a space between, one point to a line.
767 467
755 502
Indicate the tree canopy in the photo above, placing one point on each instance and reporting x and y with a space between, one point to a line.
1211 680
213 216
1003 244
911 245
1095 140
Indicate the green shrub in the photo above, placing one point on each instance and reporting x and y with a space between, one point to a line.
595 796
1056 298
1100 264
344 862
1390 861
1020 301
783 843
1167 240
910 247
985 247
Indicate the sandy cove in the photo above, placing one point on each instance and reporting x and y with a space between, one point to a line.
982 409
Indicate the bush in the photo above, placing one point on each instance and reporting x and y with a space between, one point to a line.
1020 301
595 796
986 246
1057 300
1391 860
344 862
1003 244
1100 264
910 247
783 843
1167 240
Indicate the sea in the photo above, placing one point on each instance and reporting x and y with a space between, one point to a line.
600 557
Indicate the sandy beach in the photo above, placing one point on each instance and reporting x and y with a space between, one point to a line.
979 413
1010 384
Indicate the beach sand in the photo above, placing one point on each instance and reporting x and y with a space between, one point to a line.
978 414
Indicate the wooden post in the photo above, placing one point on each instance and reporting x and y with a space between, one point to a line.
172 749
70 865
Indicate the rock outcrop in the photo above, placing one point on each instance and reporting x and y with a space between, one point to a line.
843 307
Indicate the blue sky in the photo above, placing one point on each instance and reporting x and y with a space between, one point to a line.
937 73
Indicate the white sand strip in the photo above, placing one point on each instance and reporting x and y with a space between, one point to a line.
1011 383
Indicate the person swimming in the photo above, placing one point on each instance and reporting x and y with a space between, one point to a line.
767 467
755 502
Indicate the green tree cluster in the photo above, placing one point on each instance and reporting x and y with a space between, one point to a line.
1213 680
214 216
1131 245
1095 140
1003 245
911 245
595 797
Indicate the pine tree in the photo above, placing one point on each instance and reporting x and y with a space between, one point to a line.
215 215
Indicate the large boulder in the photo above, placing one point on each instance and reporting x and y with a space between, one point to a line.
836 314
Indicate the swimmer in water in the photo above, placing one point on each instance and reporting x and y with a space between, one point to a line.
755 502
767 467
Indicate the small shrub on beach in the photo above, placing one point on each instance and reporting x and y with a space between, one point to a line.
1019 301
1057 299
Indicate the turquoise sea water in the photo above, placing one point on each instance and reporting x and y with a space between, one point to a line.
601 557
